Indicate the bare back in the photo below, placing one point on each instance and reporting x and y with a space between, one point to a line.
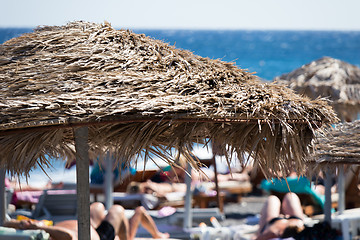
72 227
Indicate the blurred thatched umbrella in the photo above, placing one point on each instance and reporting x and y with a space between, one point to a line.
328 77
340 144
131 93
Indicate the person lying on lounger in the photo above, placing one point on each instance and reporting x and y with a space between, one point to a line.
110 226
281 219
172 179
161 189
15 185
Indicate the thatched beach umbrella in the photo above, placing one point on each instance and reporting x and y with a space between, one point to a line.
337 146
125 92
328 77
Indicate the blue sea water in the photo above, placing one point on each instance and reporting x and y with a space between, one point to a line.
268 53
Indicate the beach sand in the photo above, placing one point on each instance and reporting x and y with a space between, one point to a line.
245 211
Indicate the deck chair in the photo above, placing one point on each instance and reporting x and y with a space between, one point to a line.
175 232
148 201
55 205
14 234
198 215
232 187
139 176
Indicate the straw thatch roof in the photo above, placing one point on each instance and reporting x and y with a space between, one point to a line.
339 144
139 94
328 77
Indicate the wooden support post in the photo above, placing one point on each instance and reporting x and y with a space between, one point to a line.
82 186
218 200
2 197
188 200
216 151
327 207
108 183
341 190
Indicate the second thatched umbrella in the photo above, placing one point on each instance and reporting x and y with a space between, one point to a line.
340 144
134 94
331 78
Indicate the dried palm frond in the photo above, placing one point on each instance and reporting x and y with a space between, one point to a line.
338 145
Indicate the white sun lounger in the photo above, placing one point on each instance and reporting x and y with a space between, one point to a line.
14 234
148 201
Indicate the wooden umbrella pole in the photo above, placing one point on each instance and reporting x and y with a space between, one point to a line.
82 186
188 200
327 207
108 183
2 197
216 181
341 189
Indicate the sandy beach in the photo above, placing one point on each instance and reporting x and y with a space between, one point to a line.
247 209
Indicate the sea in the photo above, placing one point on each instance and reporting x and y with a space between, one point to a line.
266 53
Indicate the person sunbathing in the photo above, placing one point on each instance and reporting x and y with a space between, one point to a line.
15 185
173 180
157 189
27 194
281 219
110 226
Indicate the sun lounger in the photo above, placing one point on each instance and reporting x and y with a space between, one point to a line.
248 229
177 216
127 200
149 201
347 222
202 200
238 188
55 205
176 232
173 199
139 176
164 224
14 234
173 223
198 215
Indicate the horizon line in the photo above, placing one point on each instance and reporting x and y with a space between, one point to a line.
203 29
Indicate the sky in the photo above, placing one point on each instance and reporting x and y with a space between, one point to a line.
187 14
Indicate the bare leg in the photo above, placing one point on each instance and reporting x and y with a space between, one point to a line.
116 217
141 216
97 214
161 189
270 210
291 205
233 177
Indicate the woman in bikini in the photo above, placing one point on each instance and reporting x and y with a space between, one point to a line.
110 225
281 219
